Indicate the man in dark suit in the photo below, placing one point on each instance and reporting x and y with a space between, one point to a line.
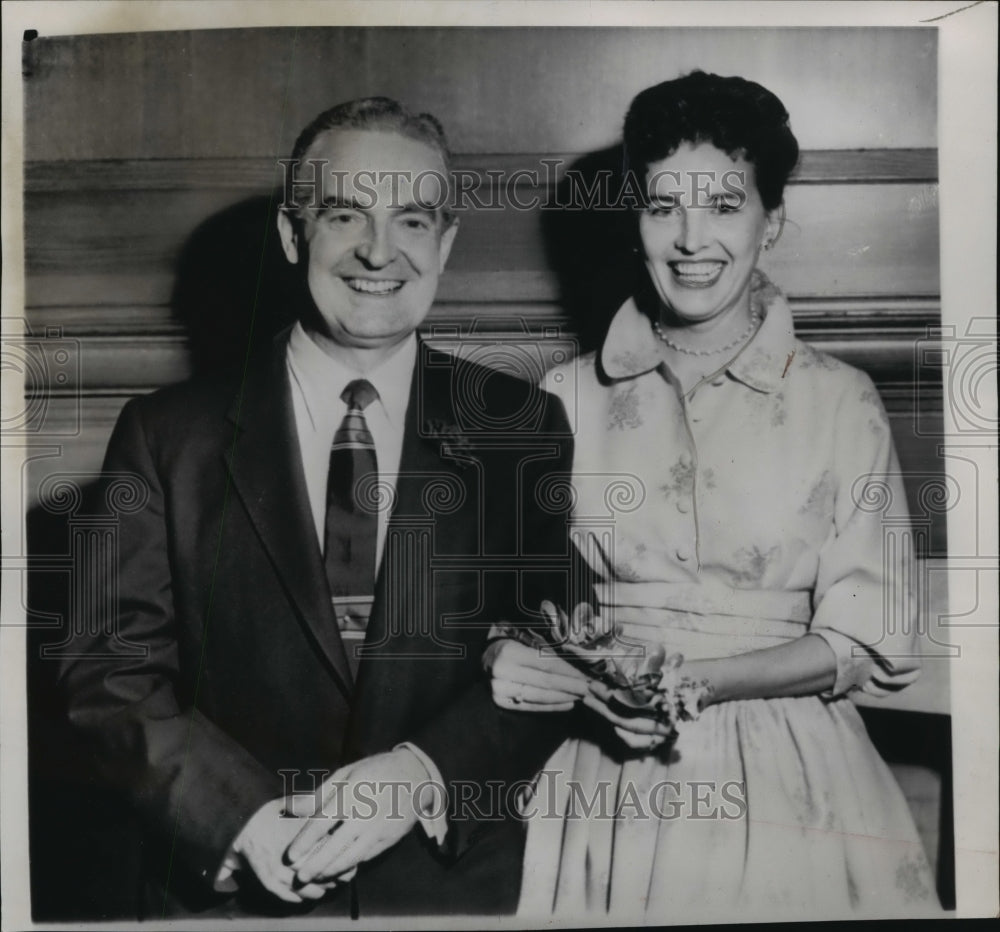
311 579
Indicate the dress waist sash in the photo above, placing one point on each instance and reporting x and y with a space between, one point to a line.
707 619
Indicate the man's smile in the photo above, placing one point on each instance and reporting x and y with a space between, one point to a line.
375 286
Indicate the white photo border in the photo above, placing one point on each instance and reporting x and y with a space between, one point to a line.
967 149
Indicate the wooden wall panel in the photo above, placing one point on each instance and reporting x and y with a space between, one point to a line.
858 259
845 239
859 239
234 93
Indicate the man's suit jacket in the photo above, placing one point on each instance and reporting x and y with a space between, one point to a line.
243 682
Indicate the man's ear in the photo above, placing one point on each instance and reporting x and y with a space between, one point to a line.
289 236
447 241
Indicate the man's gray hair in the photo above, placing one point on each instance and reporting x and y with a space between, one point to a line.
378 114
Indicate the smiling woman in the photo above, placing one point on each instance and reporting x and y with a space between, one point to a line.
753 565
702 242
716 155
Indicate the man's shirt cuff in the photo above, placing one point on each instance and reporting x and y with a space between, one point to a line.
430 799
225 882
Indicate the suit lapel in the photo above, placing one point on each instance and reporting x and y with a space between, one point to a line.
430 426
265 464
429 415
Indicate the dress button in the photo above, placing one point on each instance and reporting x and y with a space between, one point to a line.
683 555
718 382
683 507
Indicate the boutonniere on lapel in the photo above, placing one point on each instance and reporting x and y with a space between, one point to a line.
455 445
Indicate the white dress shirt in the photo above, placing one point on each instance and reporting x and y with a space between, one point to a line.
317 381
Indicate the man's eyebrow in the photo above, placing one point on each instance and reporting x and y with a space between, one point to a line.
417 207
338 202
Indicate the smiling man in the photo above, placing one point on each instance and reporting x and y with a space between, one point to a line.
375 232
315 571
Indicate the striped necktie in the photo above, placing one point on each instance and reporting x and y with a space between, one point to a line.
352 519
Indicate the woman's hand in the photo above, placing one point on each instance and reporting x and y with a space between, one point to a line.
640 732
525 679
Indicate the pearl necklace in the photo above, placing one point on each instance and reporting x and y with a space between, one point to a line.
754 321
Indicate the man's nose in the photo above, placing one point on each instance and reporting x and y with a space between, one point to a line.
691 233
377 248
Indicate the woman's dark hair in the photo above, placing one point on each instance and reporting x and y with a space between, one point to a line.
735 115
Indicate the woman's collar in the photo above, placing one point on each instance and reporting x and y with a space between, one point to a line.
630 348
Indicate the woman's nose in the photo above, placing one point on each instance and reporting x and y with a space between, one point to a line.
691 232
377 248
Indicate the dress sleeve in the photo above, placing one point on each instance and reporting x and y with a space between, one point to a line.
864 601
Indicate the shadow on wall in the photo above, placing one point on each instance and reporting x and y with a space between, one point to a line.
234 289
589 244
84 847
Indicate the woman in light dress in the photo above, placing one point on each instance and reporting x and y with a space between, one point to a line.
730 491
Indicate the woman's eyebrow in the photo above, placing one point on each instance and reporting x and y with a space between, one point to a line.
669 198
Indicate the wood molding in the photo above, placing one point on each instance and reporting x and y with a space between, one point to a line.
129 365
864 317
816 166
129 349
131 247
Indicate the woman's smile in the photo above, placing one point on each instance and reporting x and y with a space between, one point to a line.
699 274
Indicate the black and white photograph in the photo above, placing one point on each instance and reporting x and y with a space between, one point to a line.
498 465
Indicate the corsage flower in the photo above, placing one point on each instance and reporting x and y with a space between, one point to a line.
642 679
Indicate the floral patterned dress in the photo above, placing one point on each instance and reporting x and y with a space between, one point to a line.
763 504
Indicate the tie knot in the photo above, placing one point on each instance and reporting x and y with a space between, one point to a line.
358 394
